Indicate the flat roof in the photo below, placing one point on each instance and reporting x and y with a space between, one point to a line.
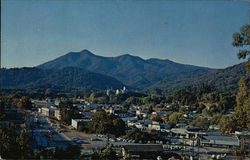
222 138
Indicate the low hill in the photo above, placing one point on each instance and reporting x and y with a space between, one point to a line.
224 79
63 79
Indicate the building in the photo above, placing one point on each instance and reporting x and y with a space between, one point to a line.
58 114
154 126
220 141
188 132
76 123
45 111
144 151
51 112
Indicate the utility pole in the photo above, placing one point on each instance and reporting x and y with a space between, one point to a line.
198 146
193 147
107 144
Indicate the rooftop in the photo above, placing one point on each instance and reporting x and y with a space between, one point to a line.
144 148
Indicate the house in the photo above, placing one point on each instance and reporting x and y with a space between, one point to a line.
154 115
76 123
79 106
143 113
154 126
43 103
165 128
141 126
181 125
45 111
86 113
145 151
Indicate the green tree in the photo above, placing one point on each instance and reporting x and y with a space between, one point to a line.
59 153
14 145
242 109
175 118
227 125
67 114
242 39
106 153
24 102
106 124
24 142
138 135
72 152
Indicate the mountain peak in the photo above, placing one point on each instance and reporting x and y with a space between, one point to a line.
129 56
85 51
81 53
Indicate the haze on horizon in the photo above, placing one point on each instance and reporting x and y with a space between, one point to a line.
193 32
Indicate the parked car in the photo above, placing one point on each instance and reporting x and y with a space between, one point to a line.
80 142
95 139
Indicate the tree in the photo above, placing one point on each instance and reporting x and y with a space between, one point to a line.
227 125
138 135
72 152
242 40
59 153
174 118
24 102
67 114
106 124
14 145
106 153
24 141
242 109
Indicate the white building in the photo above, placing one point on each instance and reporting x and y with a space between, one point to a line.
79 122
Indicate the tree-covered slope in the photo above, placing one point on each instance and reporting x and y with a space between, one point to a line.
66 78
224 79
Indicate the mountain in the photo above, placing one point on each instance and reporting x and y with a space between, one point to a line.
130 70
224 79
62 79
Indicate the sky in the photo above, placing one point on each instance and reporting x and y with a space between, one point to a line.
190 32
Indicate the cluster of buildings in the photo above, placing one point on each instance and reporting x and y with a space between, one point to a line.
110 91
144 120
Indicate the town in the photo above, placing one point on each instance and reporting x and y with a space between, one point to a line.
125 80
131 125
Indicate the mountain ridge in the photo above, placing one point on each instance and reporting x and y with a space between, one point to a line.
131 70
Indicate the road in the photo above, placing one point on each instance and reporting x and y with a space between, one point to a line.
44 134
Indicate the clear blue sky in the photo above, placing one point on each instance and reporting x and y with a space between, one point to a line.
192 32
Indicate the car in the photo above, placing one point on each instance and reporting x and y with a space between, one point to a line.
61 131
76 139
113 139
119 139
80 142
95 139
